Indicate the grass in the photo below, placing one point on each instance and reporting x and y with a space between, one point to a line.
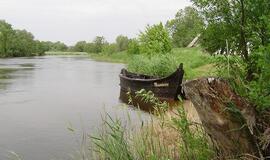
119 57
164 137
196 62
65 53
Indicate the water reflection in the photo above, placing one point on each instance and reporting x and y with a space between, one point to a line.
10 72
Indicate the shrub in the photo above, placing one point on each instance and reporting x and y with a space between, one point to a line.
258 89
109 48
155 40
133 47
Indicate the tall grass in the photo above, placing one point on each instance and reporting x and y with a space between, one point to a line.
161 138
196 63
158 65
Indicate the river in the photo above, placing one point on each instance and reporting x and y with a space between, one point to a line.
40 97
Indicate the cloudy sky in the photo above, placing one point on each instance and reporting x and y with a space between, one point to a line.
74 20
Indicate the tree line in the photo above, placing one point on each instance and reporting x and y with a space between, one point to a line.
100 45
158 38
19 43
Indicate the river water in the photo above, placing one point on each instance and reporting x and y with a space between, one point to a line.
41 97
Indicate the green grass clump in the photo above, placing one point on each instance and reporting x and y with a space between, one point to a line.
158 65
196 63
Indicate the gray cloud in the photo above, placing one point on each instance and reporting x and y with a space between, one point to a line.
73 20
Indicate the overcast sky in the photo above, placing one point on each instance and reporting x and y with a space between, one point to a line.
70 21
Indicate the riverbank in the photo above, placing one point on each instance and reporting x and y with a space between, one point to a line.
118 57
196 62
168 135
52 53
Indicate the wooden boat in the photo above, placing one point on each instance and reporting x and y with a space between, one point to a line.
166 88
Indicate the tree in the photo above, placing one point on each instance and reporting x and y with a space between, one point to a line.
89 48
186 25
22 44
6 32
133 47
155 40
122 43
243 23
59 46
110 48
99 43
80 46
41 47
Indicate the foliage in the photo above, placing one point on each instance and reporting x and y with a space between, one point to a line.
259 87
257 90
99 43
5 37
158 65
155 40
18 43
196 63
168 137
186 25
22 44
80 46
122 43
117 57
110 48
242 23
133 47
58 46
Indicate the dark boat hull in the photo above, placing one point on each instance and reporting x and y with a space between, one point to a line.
167 88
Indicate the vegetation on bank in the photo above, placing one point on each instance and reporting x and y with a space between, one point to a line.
239 30
21 43
55 53
196 62
162 137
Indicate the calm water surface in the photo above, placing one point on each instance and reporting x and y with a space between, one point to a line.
41 96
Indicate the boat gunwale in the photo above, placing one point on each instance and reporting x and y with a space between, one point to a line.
150 80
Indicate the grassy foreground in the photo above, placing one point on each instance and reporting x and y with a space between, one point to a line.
165 137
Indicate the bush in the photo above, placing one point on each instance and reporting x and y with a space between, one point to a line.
122 43
235 70
155 40
109 48
133 47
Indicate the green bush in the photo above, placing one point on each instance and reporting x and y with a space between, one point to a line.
133 47
155 40
109 48
235 70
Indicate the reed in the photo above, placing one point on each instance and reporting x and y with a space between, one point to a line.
162 137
